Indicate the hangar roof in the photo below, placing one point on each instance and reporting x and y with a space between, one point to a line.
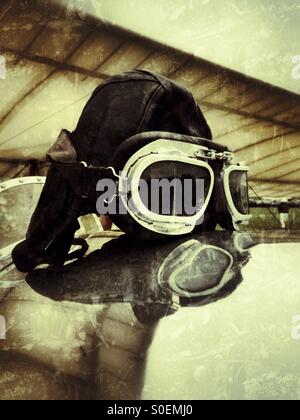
55 58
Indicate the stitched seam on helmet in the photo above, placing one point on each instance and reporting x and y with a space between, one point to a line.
154 94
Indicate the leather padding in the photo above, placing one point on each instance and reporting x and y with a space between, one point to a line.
133 103
130 146
127 149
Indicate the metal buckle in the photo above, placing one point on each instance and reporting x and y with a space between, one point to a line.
214 155
109 168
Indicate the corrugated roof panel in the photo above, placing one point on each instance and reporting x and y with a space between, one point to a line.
293 175
20 79
221 121
276 190
242 139
52 111
291 115
275 170
273 162
264 101
189 74
96 49
274 107
227 93
19 28
270 147
209 85
163 63
229 123
242 101
59 39
127 57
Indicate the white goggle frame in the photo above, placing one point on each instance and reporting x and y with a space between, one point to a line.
237 217
184 255
174 151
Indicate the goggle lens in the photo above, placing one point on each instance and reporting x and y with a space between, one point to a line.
238 184
205 273
194 270
182 191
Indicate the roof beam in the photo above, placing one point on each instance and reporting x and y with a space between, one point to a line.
182 65
31 43
274 181
250 115
272 155
112 53
18 161
289 173
273 168
26 95
246 123
59 66
260 142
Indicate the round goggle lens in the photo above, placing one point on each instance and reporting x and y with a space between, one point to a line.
205 273
175 188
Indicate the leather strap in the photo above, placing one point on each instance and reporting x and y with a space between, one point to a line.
81 176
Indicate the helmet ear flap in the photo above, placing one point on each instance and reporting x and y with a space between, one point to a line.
63 151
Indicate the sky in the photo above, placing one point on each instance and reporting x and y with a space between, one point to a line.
257 37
